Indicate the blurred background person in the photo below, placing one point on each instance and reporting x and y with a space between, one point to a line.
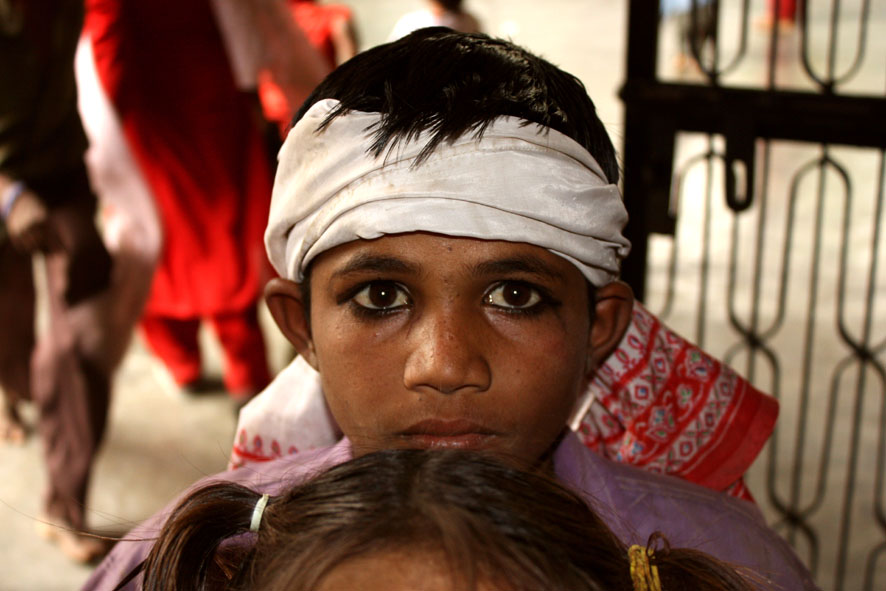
48 208
174 74
329 27
437 13
331 32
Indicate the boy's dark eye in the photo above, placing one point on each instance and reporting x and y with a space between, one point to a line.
381 295
513 295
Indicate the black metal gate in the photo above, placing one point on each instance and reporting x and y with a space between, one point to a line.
757 195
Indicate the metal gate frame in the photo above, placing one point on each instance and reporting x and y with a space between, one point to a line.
740 115
657 111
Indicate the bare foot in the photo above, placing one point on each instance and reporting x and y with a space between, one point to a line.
78 546
12 429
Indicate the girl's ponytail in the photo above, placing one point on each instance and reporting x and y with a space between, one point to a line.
197 548
687 568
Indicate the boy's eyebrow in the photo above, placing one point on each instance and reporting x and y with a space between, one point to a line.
377 263
518 264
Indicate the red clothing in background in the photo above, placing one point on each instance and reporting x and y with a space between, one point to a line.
195 137
316 22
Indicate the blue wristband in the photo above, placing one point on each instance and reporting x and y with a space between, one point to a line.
10 196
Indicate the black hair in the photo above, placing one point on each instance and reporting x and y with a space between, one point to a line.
452 84
487 521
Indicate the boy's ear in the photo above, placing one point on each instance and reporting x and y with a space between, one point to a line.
615 303
285 304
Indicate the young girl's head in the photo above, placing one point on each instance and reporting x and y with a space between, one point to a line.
407 519
447 229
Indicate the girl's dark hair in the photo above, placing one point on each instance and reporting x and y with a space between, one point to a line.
452 83
490 522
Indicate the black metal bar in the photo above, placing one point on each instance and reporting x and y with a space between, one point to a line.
675 248
794 516
750 332
828 81
833 42
638 179
855 432
860 43
642 40
880 476
705 263
807 363
863 349
822 81
798 116
742 49
748 118
772 52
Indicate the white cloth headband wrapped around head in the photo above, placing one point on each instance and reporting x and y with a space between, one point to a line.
521 182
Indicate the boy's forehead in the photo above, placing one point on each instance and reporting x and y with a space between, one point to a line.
423 253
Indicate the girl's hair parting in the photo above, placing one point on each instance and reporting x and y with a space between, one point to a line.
493 525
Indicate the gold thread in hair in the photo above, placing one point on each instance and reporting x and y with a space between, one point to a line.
644 575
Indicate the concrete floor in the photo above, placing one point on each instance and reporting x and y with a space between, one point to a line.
160 442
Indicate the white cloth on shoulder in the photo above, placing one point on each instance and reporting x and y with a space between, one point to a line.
289 415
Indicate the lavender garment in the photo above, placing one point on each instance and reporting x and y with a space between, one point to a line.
633 502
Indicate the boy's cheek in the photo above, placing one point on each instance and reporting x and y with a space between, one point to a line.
554 335
341 333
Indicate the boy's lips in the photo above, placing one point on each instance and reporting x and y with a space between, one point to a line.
436 433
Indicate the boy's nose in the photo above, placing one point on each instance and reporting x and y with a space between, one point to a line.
447 356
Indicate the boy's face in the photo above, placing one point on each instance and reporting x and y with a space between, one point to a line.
423 340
